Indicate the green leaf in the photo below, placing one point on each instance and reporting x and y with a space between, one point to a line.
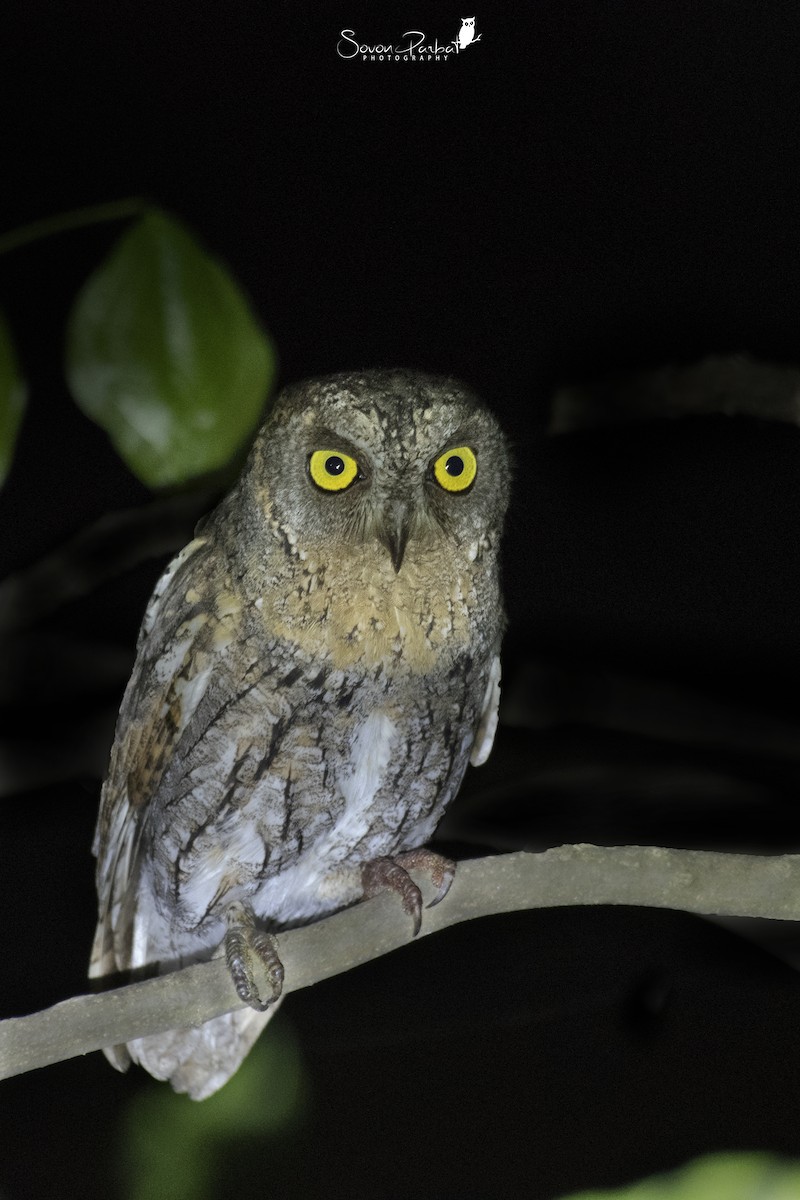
715 1177
13 397
173 1148
164 353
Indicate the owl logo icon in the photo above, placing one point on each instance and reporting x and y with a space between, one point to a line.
466 34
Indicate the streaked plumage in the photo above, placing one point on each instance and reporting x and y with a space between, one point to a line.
313 674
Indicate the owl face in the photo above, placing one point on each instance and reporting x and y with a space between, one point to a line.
467 22
403 459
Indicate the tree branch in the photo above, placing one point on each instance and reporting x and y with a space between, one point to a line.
115 543
689 880
79 218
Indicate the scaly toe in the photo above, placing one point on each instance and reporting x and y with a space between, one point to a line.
384 874
440 870
247 949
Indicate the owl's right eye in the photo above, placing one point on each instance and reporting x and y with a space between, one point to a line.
332 470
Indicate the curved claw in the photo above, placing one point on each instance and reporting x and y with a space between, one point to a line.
448 875
391 874
441 870
385 874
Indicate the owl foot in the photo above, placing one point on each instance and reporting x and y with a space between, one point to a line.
441 870
391 874
249 952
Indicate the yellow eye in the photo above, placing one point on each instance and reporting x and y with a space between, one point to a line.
332 470
455 470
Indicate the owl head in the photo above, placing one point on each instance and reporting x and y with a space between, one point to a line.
394 459
467 22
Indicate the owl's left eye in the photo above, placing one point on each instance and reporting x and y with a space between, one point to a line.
455 470
332 470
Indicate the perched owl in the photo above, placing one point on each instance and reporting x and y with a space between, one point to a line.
314 672
466 34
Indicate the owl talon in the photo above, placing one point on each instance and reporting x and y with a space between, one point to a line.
440 870
250 951
386 875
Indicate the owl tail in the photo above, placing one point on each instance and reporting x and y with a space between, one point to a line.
199 1059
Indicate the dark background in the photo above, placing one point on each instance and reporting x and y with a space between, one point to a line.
591 187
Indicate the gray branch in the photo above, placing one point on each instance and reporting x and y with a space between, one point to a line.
689 880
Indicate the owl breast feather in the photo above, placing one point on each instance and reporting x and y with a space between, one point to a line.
262 767
289 789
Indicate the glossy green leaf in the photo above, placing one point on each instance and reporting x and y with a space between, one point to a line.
715 1177
164 353
13 396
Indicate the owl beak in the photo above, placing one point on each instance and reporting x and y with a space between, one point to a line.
394 533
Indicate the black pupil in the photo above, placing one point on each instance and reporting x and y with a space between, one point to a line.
334 465
454 465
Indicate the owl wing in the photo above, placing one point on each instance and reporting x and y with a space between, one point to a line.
179 639
179 675
487 724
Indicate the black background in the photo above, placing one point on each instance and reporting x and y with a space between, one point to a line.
589 187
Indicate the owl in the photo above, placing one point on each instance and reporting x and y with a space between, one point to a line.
466 34
314 672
